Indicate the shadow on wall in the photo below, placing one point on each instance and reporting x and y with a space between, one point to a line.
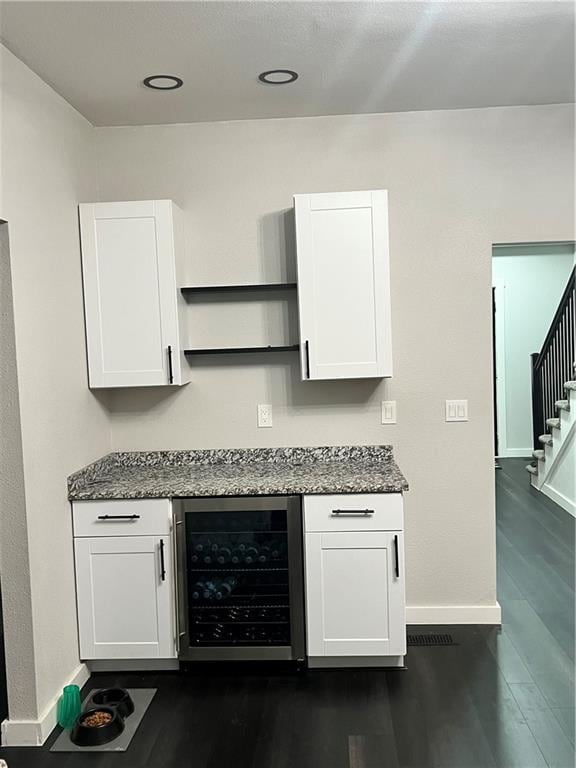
277 246
298 393
3 692
329 393
142 399
7 363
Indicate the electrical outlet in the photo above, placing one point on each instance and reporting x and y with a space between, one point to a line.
456 410
388 411
265 415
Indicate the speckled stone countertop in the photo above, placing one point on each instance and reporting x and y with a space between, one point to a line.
239 472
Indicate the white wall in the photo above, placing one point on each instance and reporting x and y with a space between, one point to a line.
458 182
14 564
47 167
529 282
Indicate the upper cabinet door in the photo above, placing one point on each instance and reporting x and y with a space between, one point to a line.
130 259
344 285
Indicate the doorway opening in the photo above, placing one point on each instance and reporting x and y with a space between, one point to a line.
528 281
534 534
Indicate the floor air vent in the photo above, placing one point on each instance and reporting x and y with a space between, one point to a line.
443 639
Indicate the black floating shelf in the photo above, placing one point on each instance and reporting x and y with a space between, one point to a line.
196 289
237 350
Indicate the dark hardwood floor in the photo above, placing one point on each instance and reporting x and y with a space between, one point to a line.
500 698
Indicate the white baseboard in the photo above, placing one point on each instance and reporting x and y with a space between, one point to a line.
454 614
559 498
350 662
516 453
133 665
33 733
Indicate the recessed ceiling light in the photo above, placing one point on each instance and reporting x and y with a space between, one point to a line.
278 76
163 82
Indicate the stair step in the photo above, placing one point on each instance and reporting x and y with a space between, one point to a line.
570 385
553 423
562 405
539 455
531 469
546 439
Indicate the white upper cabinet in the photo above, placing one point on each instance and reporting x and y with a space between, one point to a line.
132 255
344 285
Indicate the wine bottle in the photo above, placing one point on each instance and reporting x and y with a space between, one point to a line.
244 541
225 588
275 550
224 556
251 555
209 590
197 590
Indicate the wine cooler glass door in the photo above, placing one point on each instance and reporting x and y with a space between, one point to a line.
240 578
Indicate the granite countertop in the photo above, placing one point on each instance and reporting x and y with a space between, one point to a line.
239 472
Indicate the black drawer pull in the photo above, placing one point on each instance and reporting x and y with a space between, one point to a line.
118 517
170 371
365 512
397 569
307 350
162 565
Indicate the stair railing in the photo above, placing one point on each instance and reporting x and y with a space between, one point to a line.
553 365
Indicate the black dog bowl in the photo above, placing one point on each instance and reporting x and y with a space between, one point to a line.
92 736
119 698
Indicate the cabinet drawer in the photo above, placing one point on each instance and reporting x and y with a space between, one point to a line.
354 512
134 517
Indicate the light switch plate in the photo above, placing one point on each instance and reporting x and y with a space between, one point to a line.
265 415
456 410
388 411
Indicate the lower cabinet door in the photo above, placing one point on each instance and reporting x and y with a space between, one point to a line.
124 588
355 594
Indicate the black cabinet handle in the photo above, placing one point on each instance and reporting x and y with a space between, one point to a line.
162 565
170 371
366 512
397 569
307 351
118 517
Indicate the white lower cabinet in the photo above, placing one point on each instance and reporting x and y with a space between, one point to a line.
125 596
354 562
355 603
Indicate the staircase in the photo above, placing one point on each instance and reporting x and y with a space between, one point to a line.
553 469
554 465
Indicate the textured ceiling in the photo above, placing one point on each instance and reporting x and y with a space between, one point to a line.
353 57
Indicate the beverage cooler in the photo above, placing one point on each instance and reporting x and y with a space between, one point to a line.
240 578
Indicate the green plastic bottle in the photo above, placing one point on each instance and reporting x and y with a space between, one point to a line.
69 706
